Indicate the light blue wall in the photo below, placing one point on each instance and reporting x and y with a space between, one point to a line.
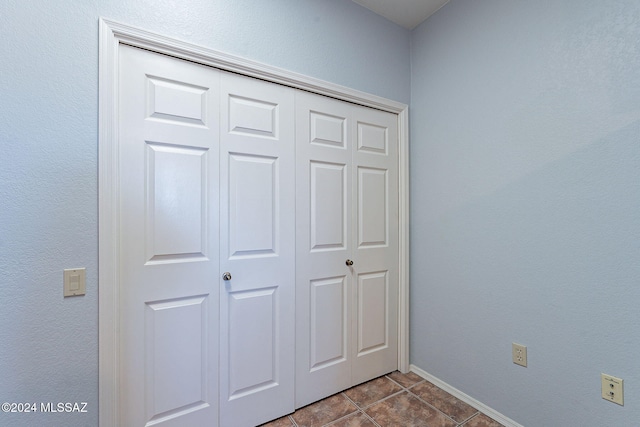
525 155
48 154
525 119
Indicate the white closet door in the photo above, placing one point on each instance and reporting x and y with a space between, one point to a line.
347 209
257 246
168 174
375 244
323 216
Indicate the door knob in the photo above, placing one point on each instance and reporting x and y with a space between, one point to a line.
226 276
349 262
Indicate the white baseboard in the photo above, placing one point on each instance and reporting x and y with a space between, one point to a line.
505 421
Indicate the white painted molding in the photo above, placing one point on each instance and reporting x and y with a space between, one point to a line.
108 226
162 44
114 34
502 419
403 218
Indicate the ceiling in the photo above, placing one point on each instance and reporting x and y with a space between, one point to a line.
407 13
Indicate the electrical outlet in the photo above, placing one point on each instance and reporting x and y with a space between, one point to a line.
612 389
519 354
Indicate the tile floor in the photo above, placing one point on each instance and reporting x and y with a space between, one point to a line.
398 400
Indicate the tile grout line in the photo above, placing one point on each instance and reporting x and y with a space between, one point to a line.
344 416
462 424
430 405
423 380
410 393
379 400
407 389
472 416
362 409
382 400
293 422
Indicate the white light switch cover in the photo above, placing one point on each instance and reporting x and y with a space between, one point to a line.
74 282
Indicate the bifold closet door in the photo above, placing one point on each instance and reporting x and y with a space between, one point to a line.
207 186
168 266
257 247
375 244
324 244
347 245
222 179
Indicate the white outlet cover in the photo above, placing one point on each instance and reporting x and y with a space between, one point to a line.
519 354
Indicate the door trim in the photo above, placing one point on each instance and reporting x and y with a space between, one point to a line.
114 34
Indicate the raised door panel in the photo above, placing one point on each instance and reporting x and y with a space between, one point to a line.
323 217
328 189
327 129
373 138
328 328
373 312
373 209
253 117
168 172
176 357
253 336
257 247
177 202
253 206
176 101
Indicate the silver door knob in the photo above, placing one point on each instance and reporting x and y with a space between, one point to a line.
349 262
226 276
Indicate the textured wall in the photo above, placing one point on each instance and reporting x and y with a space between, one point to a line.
525 121
48 154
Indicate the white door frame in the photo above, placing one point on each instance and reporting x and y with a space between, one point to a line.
112 35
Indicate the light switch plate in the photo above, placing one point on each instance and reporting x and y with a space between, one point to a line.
74 282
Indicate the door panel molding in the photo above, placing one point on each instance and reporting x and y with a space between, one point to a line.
112 36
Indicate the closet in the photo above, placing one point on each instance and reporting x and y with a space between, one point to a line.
258 245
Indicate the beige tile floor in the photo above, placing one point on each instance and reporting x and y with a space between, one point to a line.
398 400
